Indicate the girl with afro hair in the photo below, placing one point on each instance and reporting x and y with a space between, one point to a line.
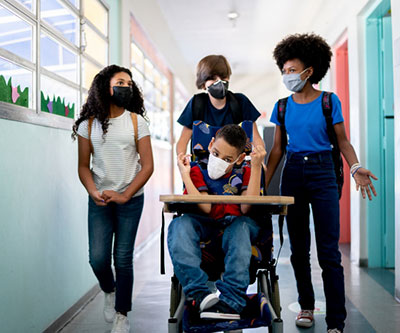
111 130
308 174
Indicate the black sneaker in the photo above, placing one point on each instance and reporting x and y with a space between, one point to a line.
204 300
220 311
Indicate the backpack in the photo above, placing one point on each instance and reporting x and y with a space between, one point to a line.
199 106
327 109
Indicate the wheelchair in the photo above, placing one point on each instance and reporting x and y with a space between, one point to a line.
263 308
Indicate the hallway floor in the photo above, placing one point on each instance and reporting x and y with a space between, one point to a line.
370 303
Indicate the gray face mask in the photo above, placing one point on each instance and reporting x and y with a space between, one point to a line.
218 89
293 82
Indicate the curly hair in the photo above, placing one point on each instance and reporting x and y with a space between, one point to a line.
98 102
310 49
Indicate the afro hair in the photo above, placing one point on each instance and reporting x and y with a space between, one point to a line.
310 49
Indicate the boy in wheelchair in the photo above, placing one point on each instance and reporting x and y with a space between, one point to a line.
239 231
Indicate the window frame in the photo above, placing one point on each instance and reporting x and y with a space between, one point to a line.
34 115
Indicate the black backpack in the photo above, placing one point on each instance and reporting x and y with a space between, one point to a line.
327 109
199 106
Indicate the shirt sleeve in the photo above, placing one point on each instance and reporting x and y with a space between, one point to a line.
337 116
198 179
186 117
249 110
274 115
83 129
246 178
143 129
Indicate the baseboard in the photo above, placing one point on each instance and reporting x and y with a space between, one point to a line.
68 315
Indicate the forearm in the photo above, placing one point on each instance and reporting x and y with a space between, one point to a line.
86 178
191 189
349 153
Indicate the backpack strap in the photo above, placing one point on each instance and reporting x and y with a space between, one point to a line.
90 122
282 103
336 155
327 109
237 112
199 105
135 128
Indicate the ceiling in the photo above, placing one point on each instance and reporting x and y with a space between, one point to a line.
201 27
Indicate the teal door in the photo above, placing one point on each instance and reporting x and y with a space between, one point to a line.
380 135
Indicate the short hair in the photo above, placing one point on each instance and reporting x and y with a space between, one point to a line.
234 135
310 49
211 66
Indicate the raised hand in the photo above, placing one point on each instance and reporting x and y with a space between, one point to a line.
257 155
184 163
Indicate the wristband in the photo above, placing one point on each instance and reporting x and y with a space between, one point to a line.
355 171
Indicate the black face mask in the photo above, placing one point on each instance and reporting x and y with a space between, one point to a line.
122 96
218 89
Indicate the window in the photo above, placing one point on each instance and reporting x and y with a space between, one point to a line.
73 42
155 86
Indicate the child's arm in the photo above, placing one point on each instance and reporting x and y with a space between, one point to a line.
184 169
257 158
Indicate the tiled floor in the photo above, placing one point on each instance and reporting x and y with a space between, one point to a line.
369 297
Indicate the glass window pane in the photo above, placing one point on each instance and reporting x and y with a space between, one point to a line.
96 47
15 84
148 70
58 59
60 18
137 77
89 70
57 98
137 57
15 34
95 12
30 4
148 92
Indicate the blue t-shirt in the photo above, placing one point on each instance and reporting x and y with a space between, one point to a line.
306 125
220 117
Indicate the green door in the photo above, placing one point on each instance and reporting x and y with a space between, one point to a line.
380 135
388 141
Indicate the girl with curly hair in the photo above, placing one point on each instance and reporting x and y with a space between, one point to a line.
309 174
106 132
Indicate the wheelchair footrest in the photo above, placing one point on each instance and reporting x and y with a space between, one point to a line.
255 314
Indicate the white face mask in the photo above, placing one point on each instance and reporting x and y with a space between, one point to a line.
217 167
293 82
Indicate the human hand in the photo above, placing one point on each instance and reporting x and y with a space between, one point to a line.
184 163
112 196
97 198
363 181
257 155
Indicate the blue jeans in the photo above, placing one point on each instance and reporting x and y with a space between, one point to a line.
184 236
311 180
120 221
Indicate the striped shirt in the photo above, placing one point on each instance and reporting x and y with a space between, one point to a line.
115 161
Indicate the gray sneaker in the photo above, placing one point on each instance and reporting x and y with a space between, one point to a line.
121 324
109 307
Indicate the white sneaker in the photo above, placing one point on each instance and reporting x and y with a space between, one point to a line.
109 307
305 318
121 324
